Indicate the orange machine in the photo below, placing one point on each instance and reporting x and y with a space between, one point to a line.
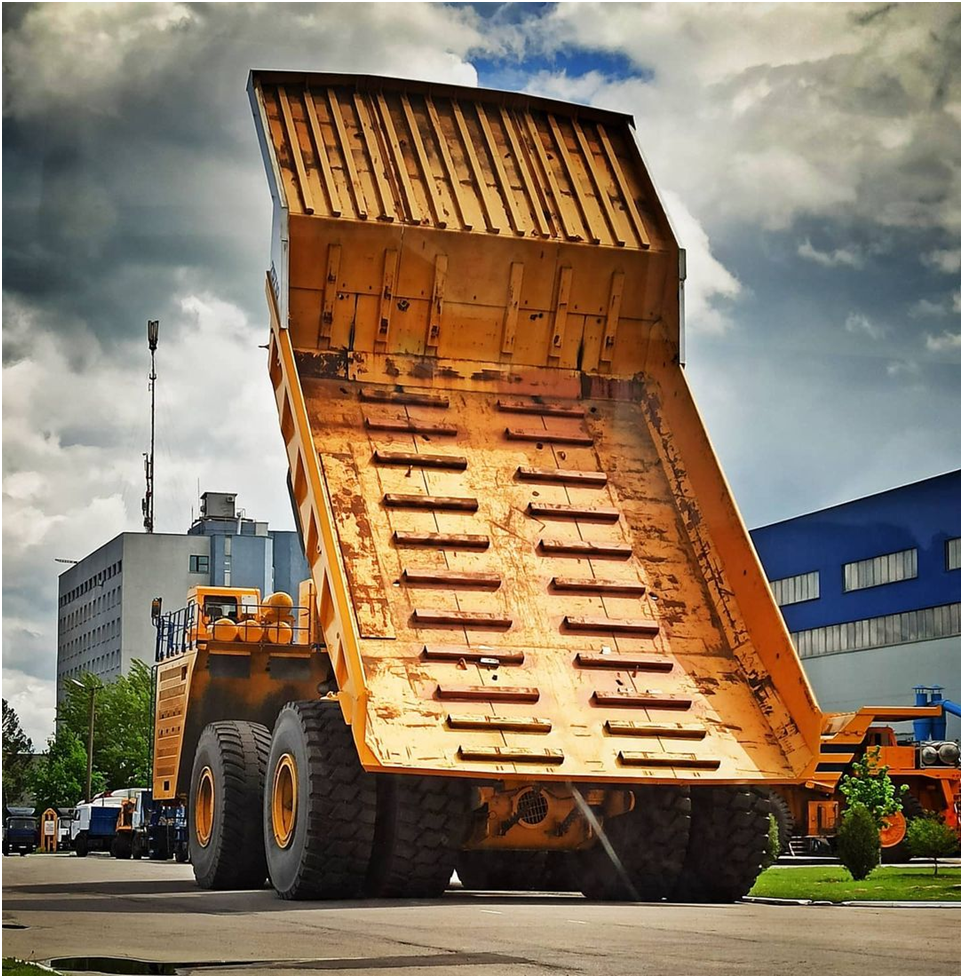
813 809
541 628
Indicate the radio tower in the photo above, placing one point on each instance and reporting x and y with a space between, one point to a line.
153 327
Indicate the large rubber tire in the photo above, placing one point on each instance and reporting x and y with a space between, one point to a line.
649 844
509 869
728 844
232 858
121 847
900 853
784 820
81 845
158 847
420 823
329 851
560 872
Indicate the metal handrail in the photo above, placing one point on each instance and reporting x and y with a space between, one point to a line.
179 631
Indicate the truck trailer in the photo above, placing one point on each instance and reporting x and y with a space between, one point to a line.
536 632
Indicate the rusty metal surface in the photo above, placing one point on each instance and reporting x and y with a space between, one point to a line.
454 224
491 278
451 159
647 647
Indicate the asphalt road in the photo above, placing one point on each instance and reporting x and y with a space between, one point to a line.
61 906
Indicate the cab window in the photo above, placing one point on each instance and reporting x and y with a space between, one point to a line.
220 607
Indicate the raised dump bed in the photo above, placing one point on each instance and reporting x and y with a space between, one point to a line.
529 561
540 624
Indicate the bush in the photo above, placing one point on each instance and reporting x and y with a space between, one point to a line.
857 843
929 838
774 846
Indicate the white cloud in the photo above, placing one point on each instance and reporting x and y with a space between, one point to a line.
707 280
763 113
74 433
838 256
857 323
943 260
925 307
33 699
93 56
946 342
902 368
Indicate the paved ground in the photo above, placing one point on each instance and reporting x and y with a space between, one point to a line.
95 907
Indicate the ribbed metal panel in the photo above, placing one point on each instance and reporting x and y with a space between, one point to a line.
409 154
874 633
953 554
792 590
885 569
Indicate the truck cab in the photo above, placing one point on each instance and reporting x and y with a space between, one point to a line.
20 833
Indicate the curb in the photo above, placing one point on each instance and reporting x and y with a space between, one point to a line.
903 904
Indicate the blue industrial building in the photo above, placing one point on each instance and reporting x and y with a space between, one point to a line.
870 591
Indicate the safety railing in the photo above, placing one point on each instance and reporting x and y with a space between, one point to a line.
260 624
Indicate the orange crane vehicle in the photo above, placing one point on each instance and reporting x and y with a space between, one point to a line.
536 639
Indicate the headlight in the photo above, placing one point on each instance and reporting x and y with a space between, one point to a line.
929 755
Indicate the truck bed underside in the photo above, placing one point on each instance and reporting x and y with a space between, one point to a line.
528 599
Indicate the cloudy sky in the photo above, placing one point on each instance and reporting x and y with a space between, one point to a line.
809 156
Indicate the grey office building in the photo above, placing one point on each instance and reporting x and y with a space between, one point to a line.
104 600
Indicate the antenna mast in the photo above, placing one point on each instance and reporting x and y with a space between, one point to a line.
153 328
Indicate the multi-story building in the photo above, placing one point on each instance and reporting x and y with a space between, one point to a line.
104 605
870 591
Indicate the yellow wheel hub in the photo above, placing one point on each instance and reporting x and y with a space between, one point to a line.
204 807
284 800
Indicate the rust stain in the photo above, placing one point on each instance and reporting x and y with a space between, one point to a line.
327 365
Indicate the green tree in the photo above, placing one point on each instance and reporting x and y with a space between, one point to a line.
930 838
17 751
857 843
122 724
869 785
59 778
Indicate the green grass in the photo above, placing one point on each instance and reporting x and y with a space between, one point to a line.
14 966
834 883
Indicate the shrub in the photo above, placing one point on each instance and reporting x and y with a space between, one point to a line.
857 843
930 838
869 785
774 845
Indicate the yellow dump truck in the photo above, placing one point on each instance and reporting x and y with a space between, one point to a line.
536 640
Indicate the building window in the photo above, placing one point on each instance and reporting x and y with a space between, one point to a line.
953 554
875 633
792 590
200 564
886 569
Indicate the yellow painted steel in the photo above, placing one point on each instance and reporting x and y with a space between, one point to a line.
203 819
245 672
527 562
284 800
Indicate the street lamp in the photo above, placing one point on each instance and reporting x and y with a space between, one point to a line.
92 689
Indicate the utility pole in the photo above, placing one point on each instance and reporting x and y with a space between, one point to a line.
90 733
153 328
90 742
